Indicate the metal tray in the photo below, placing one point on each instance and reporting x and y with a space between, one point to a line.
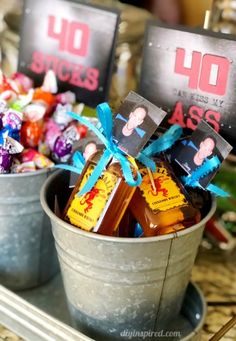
41 314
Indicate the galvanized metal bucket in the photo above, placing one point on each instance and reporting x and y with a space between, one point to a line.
119 284
27 252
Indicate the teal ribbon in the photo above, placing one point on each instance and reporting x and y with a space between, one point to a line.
163 143
208 166
105 117
78 163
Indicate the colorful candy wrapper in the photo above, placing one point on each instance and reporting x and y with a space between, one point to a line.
12 146
63 145
67 97
34 112
51 132
24 167
8 89
5 161
31 133
3 105
32 129
50 82
44 149
23 82
39 160
23 100
12 119
60 115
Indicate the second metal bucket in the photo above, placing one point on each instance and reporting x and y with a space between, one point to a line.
119 284
27 253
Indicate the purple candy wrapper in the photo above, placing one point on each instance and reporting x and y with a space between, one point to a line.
63 145
5 161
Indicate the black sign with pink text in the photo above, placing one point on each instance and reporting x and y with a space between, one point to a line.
191 74
75 40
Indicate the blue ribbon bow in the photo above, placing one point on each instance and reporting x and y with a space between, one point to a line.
105 117
166 141
104 132
206 168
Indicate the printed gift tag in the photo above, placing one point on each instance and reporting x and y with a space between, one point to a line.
75 40
135 123
190 73
204 144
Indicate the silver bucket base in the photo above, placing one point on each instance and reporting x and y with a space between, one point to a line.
51 299
27 252
117 284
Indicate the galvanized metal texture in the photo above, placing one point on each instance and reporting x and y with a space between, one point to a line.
32 323
27 252
117 284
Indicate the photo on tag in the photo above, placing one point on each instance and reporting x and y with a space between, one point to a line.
203 144
135 122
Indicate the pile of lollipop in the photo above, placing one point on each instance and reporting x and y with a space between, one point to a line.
35 131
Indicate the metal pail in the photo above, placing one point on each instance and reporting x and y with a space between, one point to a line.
27 252
118 284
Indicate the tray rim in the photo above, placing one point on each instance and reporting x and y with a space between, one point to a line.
32 323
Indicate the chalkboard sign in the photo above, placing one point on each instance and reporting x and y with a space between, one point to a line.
75 40
191 74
